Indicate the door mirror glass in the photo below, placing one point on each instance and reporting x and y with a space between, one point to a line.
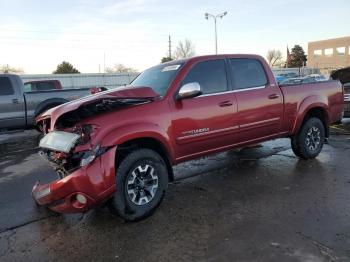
189 90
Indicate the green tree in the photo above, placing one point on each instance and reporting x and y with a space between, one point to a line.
166 59
66 68
297 57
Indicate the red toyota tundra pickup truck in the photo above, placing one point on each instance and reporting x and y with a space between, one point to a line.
118 147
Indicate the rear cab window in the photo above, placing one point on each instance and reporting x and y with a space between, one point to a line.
247 73
6 87
39 86
211 76
45 86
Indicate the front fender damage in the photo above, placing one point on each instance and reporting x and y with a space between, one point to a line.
78 188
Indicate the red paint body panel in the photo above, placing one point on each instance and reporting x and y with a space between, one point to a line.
203 112
266 120
192 127
299 99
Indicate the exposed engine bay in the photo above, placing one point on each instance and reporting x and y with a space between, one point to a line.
59 146
69 119
62 163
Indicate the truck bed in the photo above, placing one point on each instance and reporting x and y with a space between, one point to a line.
34 98
295 96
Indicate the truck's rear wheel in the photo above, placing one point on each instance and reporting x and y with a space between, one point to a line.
308 142
141 182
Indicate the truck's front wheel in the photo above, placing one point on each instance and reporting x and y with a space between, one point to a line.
141 181
308 142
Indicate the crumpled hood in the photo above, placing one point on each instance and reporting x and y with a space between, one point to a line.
116 94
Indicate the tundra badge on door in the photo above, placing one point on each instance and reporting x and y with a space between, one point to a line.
196 131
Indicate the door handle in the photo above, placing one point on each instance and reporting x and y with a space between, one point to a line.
15 101
274 96
225 103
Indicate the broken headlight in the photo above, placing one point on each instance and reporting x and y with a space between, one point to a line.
59 141
91 155
86 132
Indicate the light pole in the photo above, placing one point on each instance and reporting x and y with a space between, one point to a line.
207 16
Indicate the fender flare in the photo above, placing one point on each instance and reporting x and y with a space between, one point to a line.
122 134
306 105
46 103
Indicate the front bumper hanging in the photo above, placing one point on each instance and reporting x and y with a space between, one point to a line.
81 190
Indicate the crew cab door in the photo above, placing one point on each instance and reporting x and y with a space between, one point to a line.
208 121
12 114
260 103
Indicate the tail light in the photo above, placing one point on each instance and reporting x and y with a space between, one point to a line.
96 90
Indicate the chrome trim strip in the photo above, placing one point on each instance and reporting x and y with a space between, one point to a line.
260 123
234 145
250 88
215 94
232 91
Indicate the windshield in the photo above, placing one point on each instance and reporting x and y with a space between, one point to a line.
158 78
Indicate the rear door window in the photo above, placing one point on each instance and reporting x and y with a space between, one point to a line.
247 73
6 87
39 86
211 76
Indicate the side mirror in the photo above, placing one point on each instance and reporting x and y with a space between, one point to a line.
189 90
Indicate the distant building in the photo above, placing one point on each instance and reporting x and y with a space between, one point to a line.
329 54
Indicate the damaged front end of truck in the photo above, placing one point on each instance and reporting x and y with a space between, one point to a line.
72 145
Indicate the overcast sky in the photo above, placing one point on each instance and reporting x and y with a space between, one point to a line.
37 35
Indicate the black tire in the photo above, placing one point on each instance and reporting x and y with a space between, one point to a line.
308 142
135 175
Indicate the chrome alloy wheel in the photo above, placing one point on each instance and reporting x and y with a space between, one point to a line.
142 184
313 138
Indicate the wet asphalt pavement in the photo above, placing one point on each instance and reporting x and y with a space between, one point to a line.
259 204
